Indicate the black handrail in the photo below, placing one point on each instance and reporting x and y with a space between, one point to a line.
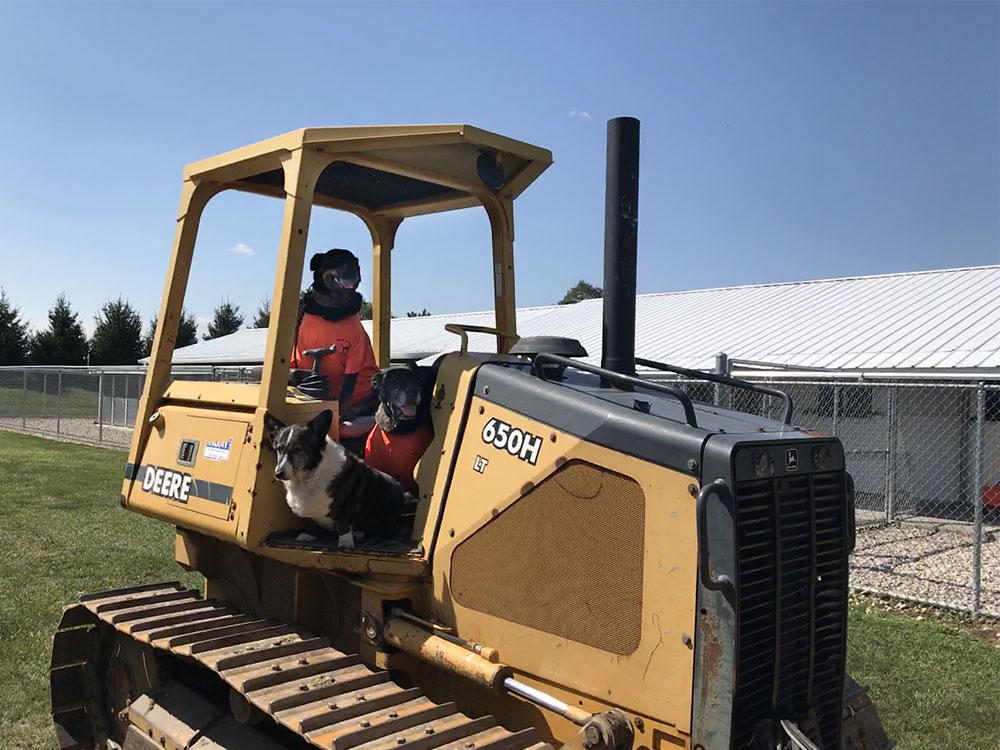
724 380
612 376
723 583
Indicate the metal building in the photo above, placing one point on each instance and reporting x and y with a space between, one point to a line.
936 323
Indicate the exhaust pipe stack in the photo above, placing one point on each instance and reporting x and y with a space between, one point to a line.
621 232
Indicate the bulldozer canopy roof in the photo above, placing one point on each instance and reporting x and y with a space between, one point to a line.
394 170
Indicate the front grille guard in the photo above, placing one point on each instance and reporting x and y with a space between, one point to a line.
807 516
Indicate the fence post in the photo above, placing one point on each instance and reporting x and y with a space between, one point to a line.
977 541
891 457
836 406
114 383
24 402
100 406
721 368
45 391
59 403
128 399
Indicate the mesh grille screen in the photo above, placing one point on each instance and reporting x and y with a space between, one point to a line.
792 601
566 559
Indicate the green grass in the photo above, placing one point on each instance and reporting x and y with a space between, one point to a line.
936 685
63 533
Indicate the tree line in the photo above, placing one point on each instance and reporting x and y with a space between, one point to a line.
118 338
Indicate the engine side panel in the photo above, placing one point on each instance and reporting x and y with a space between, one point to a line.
573 560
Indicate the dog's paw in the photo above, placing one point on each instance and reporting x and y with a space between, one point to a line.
304 537
346 541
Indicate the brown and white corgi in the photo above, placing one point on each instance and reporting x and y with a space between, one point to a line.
328 485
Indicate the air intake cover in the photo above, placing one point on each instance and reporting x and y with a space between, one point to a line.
566 559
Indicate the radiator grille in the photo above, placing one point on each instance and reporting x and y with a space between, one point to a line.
791 620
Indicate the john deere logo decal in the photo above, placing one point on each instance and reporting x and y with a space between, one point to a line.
167 483
792 459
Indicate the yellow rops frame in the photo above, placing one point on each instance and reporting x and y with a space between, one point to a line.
380 174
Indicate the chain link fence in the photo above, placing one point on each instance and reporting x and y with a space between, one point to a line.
88 405
925 457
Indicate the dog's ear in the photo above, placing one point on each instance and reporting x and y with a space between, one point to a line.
272 426
321 423
377 379
316 261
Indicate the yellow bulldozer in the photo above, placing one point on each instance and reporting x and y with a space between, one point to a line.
597 560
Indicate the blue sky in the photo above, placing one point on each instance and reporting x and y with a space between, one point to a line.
780 141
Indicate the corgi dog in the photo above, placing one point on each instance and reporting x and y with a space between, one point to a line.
326 484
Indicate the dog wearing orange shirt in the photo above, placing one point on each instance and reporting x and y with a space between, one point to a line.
329 316
402 428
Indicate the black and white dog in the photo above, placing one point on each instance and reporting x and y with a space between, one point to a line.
328 485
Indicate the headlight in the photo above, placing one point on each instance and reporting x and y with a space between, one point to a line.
763 466
822 457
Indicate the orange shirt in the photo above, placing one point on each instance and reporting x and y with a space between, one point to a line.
397 455
354 353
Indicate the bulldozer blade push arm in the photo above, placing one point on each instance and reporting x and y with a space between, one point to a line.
610 730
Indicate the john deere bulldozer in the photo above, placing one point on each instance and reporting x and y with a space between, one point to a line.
597 560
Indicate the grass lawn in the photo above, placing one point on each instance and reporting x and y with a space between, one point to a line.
63 533
936 680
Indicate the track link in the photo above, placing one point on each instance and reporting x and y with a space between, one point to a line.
327 697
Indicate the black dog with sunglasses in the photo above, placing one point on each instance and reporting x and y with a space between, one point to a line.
329 317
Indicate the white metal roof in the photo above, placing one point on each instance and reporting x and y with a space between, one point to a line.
924 321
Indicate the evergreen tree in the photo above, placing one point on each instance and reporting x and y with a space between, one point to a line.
118 336
580 291
63 342
422 314
13 334
366 310
225 320
263 317
187 332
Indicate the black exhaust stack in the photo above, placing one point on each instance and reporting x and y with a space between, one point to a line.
621 231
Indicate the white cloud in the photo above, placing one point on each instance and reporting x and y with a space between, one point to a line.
579 113
241 248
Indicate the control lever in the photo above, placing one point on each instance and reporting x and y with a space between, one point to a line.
316 385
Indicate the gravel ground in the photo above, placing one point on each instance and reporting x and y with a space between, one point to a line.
928 560
73 430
